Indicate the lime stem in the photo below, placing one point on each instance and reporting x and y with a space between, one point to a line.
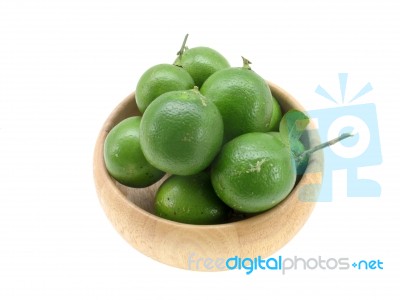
180 52
324 145
246 63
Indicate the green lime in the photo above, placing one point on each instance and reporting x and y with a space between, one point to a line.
201 63
297 148
181 132
158 80
276 116
302 161
275 134
243 99
124 158
253 172
190 199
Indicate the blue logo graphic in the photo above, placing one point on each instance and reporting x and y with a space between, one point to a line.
362 150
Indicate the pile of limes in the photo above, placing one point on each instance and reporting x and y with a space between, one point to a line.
216 130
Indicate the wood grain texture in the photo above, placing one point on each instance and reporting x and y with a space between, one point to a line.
130 210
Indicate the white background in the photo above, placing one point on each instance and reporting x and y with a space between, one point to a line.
64 65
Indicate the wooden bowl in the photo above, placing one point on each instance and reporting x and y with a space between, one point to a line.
188 246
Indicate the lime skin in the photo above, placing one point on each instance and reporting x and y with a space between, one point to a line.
275 117
253 172
158 80
296 148
181 132
191 200
243 99
201 63
124 158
